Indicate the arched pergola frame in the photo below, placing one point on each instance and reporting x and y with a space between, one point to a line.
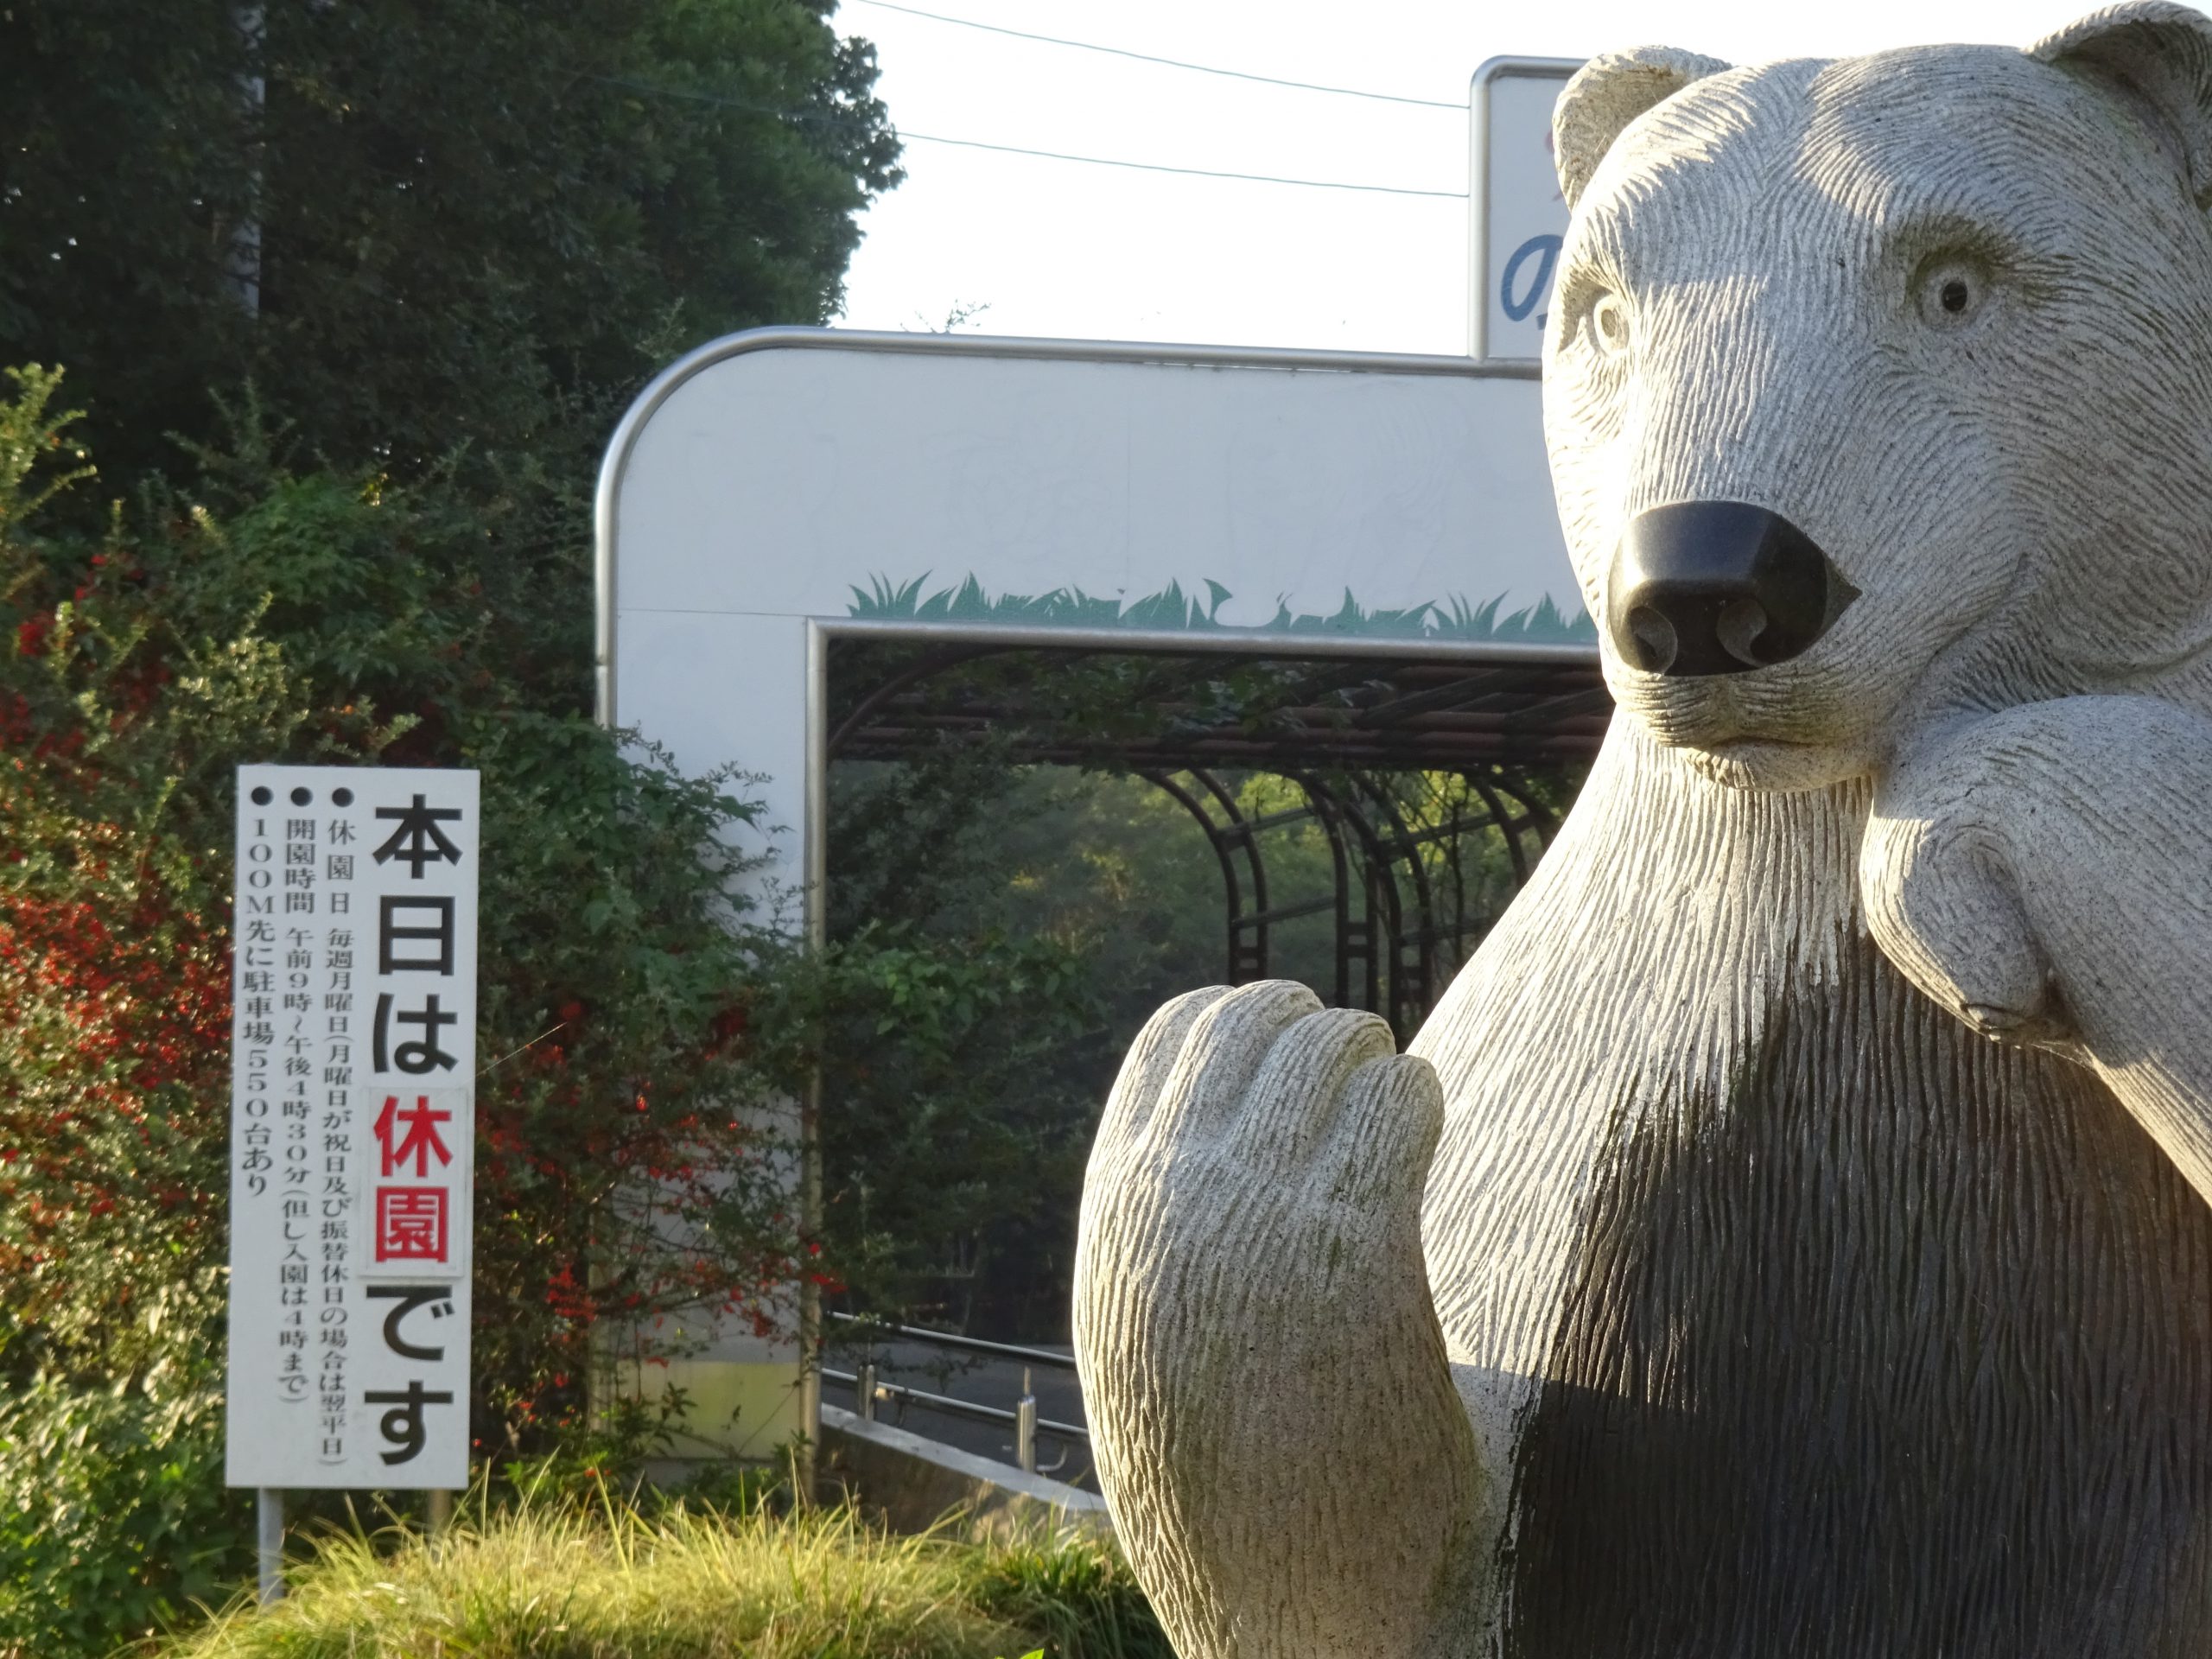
1342 731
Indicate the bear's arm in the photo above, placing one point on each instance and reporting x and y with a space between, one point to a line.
2045 873
1290 1468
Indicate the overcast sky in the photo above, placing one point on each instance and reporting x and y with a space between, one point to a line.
1062 248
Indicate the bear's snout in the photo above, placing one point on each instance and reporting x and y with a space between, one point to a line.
1705 587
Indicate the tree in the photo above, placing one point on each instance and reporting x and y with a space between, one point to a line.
473 223
354 340
618 969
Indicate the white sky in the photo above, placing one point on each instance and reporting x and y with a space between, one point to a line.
1059 248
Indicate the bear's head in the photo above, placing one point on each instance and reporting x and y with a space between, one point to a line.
1880 387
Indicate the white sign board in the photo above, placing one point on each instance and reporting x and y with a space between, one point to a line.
352 1119
1517 215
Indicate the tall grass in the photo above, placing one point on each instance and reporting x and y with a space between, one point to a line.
557 1581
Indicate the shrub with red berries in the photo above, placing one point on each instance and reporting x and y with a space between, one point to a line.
625 1172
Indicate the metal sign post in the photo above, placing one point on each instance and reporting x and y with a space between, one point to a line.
268 1543
353 1121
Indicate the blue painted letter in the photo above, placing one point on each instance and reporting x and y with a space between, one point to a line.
1545 249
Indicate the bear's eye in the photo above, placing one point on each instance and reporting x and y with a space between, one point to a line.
1949 291
1609 324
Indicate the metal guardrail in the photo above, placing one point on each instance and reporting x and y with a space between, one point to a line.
864 1385
971 1344
868 1391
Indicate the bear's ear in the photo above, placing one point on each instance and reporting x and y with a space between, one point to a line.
1606 95
2156 59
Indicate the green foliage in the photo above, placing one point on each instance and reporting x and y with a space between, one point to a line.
950 1133
1172 610
611 1459
951 1126
913 840
389 308
113 1514
1076 1594
142 666
473 225
552 1579
1001 931
952 1179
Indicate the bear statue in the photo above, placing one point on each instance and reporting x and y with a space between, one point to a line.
1788 1238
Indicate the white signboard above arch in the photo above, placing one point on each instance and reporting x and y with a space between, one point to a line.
787 479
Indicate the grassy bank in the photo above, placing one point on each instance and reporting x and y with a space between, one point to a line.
548 1582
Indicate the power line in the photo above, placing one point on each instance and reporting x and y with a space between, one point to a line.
1042 154
1188 172
1173 63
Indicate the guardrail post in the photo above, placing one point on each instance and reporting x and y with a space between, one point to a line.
864 1388
1025 1427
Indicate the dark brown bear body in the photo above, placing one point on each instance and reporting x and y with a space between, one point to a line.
1812 1323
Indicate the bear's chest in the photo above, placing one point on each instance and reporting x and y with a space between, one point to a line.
1873 1340
1805 1322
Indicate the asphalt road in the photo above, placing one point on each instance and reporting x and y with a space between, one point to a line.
987 1381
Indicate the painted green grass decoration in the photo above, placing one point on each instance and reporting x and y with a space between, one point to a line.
1171 610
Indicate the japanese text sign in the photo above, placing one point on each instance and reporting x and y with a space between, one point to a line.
353 1121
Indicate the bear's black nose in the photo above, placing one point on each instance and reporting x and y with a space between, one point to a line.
1701 587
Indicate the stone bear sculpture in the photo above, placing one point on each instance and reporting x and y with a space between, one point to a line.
1705 1282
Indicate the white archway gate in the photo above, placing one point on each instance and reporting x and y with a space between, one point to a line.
778 489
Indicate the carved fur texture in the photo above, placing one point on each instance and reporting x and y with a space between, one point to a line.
1817 1231
1252 1299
